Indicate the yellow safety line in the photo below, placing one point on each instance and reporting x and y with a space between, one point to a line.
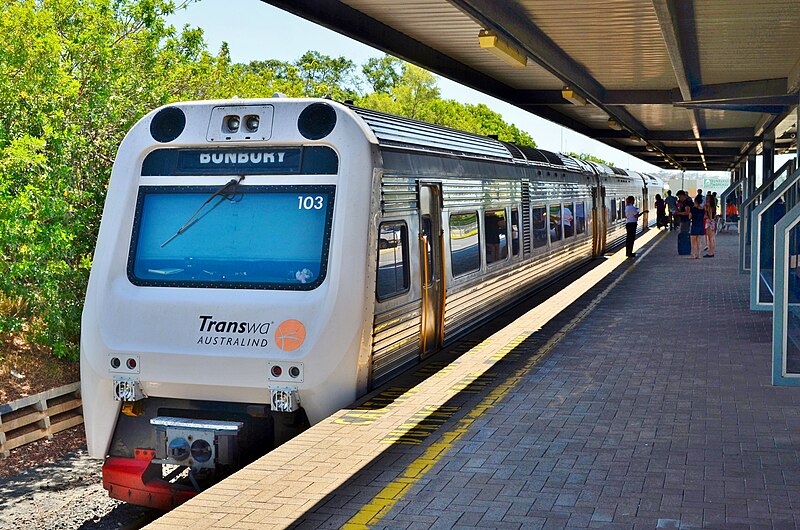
375 510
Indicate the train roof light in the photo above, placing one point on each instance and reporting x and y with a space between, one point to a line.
316 121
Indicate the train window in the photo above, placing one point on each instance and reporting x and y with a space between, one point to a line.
555 222
465 254
392 260
612 212
539 218
426 227
515 231
496 240
254 237
580 218
569 220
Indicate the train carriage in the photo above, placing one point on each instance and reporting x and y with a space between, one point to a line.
262 263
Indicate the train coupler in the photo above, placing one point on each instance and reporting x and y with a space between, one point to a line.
138 481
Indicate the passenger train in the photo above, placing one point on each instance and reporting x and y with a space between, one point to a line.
262 263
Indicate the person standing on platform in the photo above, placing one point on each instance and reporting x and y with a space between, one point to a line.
697 214
632 215
661 212
684 210
711 224
672 207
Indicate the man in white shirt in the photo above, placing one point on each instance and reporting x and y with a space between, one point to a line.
632 215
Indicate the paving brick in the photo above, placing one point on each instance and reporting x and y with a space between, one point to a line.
656 407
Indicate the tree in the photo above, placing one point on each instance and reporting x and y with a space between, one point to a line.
383 73
590 158
75 75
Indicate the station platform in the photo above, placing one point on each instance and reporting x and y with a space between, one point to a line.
637 397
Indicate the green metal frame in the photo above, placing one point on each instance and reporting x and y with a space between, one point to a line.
745 217
756 239
780 318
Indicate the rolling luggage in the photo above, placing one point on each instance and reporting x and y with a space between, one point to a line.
684 244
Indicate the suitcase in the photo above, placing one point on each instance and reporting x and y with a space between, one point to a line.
684 244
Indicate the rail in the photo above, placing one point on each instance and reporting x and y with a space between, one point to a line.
39 416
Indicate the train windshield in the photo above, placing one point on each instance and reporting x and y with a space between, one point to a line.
267 237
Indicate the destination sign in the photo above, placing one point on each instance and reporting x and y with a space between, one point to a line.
313 160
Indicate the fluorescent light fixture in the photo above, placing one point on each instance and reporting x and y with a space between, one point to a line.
572 96
614 124
650 148
489 40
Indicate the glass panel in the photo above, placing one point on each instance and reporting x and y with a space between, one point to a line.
392 261
515 231
494 222
539 218
612 212
569 220
793 298
767 251
555 222
580 217
264 237
465 255
427 228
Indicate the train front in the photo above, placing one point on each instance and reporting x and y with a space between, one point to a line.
227 301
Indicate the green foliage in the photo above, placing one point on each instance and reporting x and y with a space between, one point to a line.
75 75
590 158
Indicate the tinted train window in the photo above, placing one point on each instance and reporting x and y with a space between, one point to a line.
580 217
539 218
465 254
255 237
495 226
569 220
613 211
426 227
515 231
392 260
555 222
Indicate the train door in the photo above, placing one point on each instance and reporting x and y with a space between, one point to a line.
431 244
599 220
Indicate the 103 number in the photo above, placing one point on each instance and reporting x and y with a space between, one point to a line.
310 203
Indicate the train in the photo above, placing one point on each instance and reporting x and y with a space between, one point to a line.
263 263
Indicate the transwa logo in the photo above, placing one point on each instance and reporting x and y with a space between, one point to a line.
290 335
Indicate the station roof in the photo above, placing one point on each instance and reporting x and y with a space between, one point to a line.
678 83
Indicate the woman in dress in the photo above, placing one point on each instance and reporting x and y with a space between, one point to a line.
697 215
711 224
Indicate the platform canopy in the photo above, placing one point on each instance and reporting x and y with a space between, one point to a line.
692 84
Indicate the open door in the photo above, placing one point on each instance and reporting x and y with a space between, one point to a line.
431 245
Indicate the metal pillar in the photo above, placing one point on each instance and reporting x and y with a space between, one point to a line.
751 175
768 158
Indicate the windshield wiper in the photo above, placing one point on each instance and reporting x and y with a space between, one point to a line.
193 218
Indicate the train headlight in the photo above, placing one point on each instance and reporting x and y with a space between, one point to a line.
251 123
179 449
284 399
127 389
232 124
201 450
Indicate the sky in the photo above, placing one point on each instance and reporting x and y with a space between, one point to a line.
255 30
